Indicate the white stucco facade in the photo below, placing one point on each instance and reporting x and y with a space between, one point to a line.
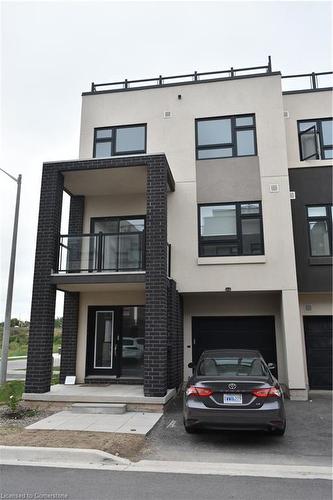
259 284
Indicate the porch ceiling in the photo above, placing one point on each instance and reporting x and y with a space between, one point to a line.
108 181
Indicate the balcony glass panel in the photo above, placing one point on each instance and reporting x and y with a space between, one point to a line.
102 252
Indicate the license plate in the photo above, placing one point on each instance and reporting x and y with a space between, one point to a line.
231 399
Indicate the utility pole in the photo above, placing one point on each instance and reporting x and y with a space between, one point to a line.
6 328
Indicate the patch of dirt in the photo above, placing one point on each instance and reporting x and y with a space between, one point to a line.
13 433
125 445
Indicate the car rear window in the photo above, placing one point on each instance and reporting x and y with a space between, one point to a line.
232 366
128 342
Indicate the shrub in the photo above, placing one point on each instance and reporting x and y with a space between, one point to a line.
11 394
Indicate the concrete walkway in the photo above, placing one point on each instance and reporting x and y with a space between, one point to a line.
126 423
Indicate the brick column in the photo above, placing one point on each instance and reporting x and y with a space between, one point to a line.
71 299
175 337
69 335
155 356
39 364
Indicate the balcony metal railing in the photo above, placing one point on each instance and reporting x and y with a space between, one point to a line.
108 252
160 80
305 81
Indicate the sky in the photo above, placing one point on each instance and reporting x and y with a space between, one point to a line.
52 51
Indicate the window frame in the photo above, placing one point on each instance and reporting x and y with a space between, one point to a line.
232 145
319 218
320 150
238 238
113 140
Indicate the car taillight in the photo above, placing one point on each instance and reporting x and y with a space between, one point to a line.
267 393
203 392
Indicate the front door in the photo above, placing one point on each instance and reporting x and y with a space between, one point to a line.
104 324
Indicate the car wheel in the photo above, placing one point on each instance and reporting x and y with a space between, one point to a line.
278 432
190 429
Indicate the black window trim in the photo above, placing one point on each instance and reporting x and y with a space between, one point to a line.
319 131
234 129
113 139
317 218
238 238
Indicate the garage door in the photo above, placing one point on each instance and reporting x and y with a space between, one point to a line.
318 341
234 332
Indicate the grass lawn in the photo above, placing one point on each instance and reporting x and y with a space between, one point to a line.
18 341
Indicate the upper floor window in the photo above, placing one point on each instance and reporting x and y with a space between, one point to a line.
316 139
320 229
225 137
230 229
111 141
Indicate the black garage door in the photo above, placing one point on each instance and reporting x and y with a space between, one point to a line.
318 341
234 332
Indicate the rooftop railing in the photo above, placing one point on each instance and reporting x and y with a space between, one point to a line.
305 81
187 78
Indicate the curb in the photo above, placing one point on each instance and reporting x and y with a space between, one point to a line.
75 458
64 457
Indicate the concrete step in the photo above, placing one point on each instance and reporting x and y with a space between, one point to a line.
112 408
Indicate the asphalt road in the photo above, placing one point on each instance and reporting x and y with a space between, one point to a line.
16 368
308 439
74 484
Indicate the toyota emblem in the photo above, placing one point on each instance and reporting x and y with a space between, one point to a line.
232 386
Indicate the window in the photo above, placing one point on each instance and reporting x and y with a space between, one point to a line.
316 139
111 141
122 244
225 137
320 229
232 366
230 229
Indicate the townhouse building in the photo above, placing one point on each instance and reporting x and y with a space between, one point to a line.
200 217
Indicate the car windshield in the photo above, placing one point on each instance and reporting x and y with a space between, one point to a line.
232 366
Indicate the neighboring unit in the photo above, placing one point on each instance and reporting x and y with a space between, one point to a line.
184 235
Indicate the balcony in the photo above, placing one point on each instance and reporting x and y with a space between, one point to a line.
104 261
102 252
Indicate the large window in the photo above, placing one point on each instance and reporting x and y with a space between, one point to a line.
230 229
226 136
320 229
316 139
122 245
112 141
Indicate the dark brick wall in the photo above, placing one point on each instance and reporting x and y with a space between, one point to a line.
71 299
39 364
75 228
156 331
175 336
69 335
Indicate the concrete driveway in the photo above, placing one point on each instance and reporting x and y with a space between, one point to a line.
308 439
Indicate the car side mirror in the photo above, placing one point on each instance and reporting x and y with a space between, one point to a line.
191 365
272 366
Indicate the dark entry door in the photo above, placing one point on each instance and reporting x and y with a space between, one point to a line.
103 334
318 341
234 332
